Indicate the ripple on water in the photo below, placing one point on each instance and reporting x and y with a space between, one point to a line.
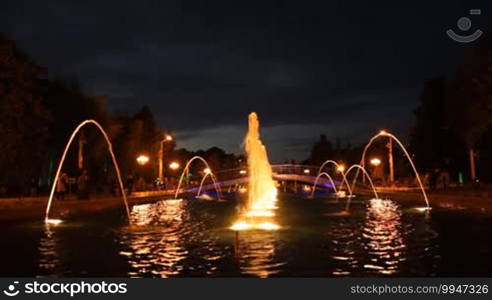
169 241
382 243
256 253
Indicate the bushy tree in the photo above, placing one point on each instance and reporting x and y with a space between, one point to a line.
431 140
23 118
469 105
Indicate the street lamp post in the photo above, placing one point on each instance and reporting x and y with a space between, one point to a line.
167 138
390 161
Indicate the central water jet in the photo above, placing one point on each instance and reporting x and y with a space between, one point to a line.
262 193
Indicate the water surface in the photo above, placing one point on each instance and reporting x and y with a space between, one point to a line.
190 238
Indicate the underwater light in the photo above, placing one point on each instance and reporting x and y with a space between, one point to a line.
268 226
53 221
241 226
341 194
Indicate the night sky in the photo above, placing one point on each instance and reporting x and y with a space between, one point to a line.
344 68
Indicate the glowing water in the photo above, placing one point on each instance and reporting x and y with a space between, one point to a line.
387 134
60 165
329 178
262 193
339 169
214 180
359 167
186 170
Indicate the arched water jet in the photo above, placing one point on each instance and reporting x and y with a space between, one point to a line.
387 134
185 171
329 178
359 167
337 165
62 160
214 180
201 184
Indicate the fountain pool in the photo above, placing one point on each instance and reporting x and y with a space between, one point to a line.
190 237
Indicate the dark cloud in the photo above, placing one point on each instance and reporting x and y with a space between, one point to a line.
339 66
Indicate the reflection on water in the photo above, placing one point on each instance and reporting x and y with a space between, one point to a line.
190 238
49 261
344 245
256 253
383 237
159 242
383 242
156 250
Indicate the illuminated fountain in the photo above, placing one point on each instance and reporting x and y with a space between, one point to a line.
339 168
262 193
207 172
318 178
383 133
47 220
359 167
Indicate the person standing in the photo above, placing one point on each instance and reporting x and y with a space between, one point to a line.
61 186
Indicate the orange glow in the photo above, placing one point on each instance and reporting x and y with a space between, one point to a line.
243 225
174 165
423 209
375 162
242 172
306 171
260 213
142 159
262 189
53 221
341 168
168 137
207 171
268 226
341 194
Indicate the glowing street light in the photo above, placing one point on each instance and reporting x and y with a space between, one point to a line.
207 171
167 138
306 171
375 161
142 159
174 165
341 168
242 172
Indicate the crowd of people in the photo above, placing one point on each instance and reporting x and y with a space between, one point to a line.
64 186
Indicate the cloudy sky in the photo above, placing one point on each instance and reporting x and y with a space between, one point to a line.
344 68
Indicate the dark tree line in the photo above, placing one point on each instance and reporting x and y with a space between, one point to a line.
38 115
454 119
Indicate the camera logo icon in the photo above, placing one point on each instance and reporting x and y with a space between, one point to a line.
464 24
11 290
